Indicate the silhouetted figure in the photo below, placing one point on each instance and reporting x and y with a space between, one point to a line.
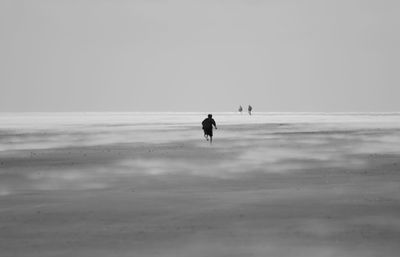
208 127
240 109
250 109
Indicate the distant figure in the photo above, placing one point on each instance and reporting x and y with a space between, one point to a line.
240 109
208 127
250 109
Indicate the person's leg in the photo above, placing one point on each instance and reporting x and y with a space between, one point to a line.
210 139
205 134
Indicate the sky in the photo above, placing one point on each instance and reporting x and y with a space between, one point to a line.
206 55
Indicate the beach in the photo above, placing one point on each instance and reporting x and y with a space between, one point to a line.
150 185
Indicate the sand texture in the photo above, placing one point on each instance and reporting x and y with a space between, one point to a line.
147 187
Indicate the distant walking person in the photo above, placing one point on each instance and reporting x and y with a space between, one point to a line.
208 127
240 109
250 109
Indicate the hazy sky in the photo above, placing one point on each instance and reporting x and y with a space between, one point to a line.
206 55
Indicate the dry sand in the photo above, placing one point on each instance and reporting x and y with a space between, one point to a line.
277 190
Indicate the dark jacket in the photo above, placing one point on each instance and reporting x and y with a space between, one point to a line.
208 123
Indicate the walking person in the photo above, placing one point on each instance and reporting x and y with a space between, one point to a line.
240 109
250 109
208 124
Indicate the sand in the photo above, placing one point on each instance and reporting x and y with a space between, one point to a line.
262 189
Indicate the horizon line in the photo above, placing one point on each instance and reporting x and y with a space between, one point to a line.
226 112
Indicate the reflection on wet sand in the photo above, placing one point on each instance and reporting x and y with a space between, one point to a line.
293 189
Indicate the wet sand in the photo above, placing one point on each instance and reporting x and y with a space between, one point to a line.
259 190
